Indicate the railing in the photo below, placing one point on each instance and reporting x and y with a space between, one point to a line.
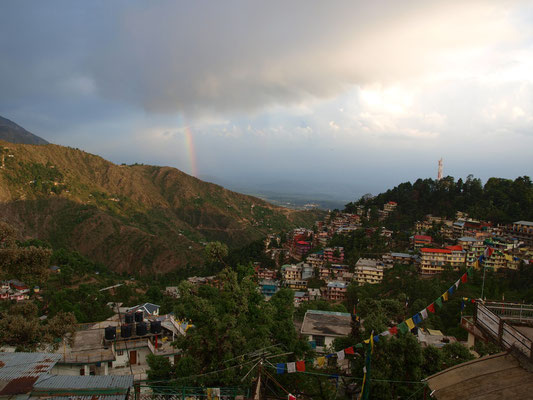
131 344
511 311
72 358
501 331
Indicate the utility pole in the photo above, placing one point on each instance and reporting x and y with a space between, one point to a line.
439 174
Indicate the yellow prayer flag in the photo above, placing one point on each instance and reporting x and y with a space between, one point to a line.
445 296
508 257
321 361
366 341
410 323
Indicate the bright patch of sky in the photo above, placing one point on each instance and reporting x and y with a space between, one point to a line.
344 97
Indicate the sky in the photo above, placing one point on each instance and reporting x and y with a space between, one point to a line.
341 97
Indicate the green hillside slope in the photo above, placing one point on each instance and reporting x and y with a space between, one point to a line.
134 218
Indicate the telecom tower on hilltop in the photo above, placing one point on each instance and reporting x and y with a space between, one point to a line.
439 175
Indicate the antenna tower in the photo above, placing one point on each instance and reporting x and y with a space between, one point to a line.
439 175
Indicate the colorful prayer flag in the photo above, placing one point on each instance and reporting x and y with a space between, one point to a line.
417 319
300 366
457 284
340 355
393 330
438 302
464 278
403 327
291 397
291 367
359 346
384 333
450 290
376 338
424 313
321 361
349 350
445 296
410 323
470 272
280 368
431 308
488 252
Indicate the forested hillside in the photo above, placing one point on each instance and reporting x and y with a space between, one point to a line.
132 218
499 200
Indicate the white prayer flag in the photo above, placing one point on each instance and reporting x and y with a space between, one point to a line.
340 355
424 313
291 367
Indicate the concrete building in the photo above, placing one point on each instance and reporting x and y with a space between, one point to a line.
523 230
335 291
368 270
419 241
392 258
323 327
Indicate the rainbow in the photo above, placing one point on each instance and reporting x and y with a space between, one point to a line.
189 143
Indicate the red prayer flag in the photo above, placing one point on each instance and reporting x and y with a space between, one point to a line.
291 397
300 366
431 308
349 350
393 330
464 278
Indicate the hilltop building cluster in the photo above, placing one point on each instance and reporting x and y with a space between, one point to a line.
321 271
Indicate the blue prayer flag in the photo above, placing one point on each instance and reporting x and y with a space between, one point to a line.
376 338
417 319
280 368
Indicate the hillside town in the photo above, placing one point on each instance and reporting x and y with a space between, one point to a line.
324 274
304 261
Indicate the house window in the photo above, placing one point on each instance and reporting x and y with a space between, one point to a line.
120 352
319 340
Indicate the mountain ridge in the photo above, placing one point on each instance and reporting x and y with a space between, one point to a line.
14 133
133 218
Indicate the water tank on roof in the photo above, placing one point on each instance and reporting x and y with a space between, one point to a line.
125 331
142 329
110 332
129 318
139 316
155 327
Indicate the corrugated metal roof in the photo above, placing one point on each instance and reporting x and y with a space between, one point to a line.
19 371
527 223
83 382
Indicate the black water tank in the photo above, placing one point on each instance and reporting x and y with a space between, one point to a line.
142 329
129 318
110 332
155 327
125 331
139 316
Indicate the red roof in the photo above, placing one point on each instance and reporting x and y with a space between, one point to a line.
423 237
392 202
303 243
455 248
427 250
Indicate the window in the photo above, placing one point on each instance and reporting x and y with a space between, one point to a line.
319 340
120 352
